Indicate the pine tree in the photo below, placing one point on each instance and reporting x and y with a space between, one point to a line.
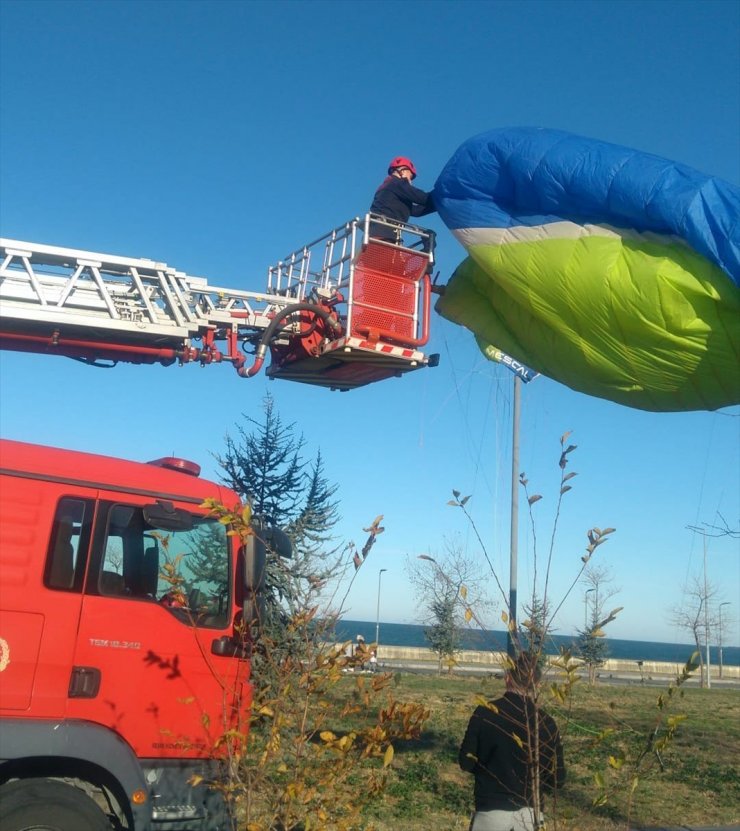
592 647
443 634
265 465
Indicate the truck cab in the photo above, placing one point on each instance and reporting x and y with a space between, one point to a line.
124 641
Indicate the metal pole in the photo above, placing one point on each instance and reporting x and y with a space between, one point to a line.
706 619
377 614
514 537
726 603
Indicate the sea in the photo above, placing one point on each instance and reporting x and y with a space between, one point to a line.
406 634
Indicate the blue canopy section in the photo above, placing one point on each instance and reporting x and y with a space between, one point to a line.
530 176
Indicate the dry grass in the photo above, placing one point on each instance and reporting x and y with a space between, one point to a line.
699 783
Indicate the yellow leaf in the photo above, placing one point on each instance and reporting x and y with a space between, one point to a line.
327 736
519 742
504 617
388 756
599 801
468 615
463 592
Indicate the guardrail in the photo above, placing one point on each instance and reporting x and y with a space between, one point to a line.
495 660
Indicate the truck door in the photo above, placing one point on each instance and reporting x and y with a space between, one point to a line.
157 609
44 535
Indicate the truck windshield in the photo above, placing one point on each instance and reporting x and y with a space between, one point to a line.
186 571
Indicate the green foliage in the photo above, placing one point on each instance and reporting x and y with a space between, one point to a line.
534 629
450 594
309 759
443 634
266 466
592 648
638 753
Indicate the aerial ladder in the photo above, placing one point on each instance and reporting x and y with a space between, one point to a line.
346 310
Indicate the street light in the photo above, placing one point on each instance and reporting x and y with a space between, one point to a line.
514 525
377 614
726 603
585 609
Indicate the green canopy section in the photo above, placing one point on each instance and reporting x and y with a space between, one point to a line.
648 324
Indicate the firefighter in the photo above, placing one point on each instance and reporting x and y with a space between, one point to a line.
397 199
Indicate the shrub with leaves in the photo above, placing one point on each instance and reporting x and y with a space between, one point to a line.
530 636
311 756
636 754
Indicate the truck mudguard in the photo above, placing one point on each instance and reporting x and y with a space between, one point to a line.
24 739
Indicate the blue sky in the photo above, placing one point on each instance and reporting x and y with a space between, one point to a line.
219 136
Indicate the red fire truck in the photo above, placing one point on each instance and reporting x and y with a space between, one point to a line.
113 687
115 679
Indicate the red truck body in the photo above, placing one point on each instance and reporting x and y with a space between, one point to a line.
120 611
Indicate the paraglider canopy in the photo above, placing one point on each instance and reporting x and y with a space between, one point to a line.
613 271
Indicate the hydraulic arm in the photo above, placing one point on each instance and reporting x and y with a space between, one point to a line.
343 311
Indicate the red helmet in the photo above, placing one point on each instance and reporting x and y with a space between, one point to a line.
402 161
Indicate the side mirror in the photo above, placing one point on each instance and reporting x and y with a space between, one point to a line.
255 562
279 542
255 552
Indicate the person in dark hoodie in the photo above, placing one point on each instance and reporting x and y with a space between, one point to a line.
504 742
397 199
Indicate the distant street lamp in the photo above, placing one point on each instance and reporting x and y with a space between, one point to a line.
377 614
585 609
726 603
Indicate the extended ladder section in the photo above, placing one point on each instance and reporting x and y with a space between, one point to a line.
341 312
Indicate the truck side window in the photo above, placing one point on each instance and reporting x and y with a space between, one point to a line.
69 534
186 571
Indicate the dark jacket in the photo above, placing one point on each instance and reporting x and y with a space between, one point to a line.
498 762
398 199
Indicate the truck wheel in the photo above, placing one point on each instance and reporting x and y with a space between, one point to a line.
48 805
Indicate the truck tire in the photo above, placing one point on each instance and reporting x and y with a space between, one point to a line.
48 805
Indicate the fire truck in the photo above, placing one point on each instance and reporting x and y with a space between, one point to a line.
124 607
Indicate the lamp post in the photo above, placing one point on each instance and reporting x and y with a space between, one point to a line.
706 621
726 603
377 614
585 609
514 532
